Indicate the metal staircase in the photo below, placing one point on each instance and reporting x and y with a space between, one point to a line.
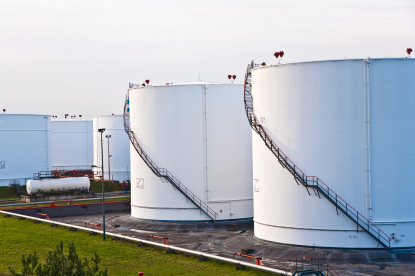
309 182
162 172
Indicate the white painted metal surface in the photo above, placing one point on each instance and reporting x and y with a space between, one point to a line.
24 146
351 126
57 185
199 133
71 144
119 146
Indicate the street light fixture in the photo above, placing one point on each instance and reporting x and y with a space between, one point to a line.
109 164
101 130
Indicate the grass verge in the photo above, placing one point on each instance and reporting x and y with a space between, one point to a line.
96 186
120 257
7 192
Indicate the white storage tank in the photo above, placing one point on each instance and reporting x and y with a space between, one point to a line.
351 123
24 146
71 144
57 185
197 132
119 147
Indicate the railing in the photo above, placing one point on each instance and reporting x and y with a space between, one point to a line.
310 264
46 174
162 172
313 182
64 174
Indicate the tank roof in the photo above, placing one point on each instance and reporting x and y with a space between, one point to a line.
115 115
17 114
188 83
71 120
331 60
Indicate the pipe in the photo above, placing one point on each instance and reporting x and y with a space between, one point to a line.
367 138
192 252
46 144
205 141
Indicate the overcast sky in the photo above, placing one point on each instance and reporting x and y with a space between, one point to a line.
77 57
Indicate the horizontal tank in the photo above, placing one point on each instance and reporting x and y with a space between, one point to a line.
198 132
24 146
71 144
118 146
351 123
57 185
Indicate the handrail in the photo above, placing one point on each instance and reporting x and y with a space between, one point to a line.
163 172
301 177
320 264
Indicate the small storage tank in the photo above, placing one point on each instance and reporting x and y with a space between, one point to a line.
197 132
119 147
351 123
71 144
58 185
24 146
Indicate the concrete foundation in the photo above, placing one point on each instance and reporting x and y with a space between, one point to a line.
55 197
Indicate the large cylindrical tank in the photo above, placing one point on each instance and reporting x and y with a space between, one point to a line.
24 146
199 133
119 147
351 123
57 185
71 144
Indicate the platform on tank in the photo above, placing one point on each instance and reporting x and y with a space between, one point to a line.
54 197
223 239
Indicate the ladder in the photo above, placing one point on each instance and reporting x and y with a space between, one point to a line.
163 173
309 182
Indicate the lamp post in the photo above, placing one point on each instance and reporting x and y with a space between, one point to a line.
101 130
109 164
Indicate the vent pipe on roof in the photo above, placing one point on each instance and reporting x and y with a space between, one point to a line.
409 51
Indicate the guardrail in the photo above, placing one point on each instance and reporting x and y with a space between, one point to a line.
169 247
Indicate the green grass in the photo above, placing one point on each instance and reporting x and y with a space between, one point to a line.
96 186
7 192
120 257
